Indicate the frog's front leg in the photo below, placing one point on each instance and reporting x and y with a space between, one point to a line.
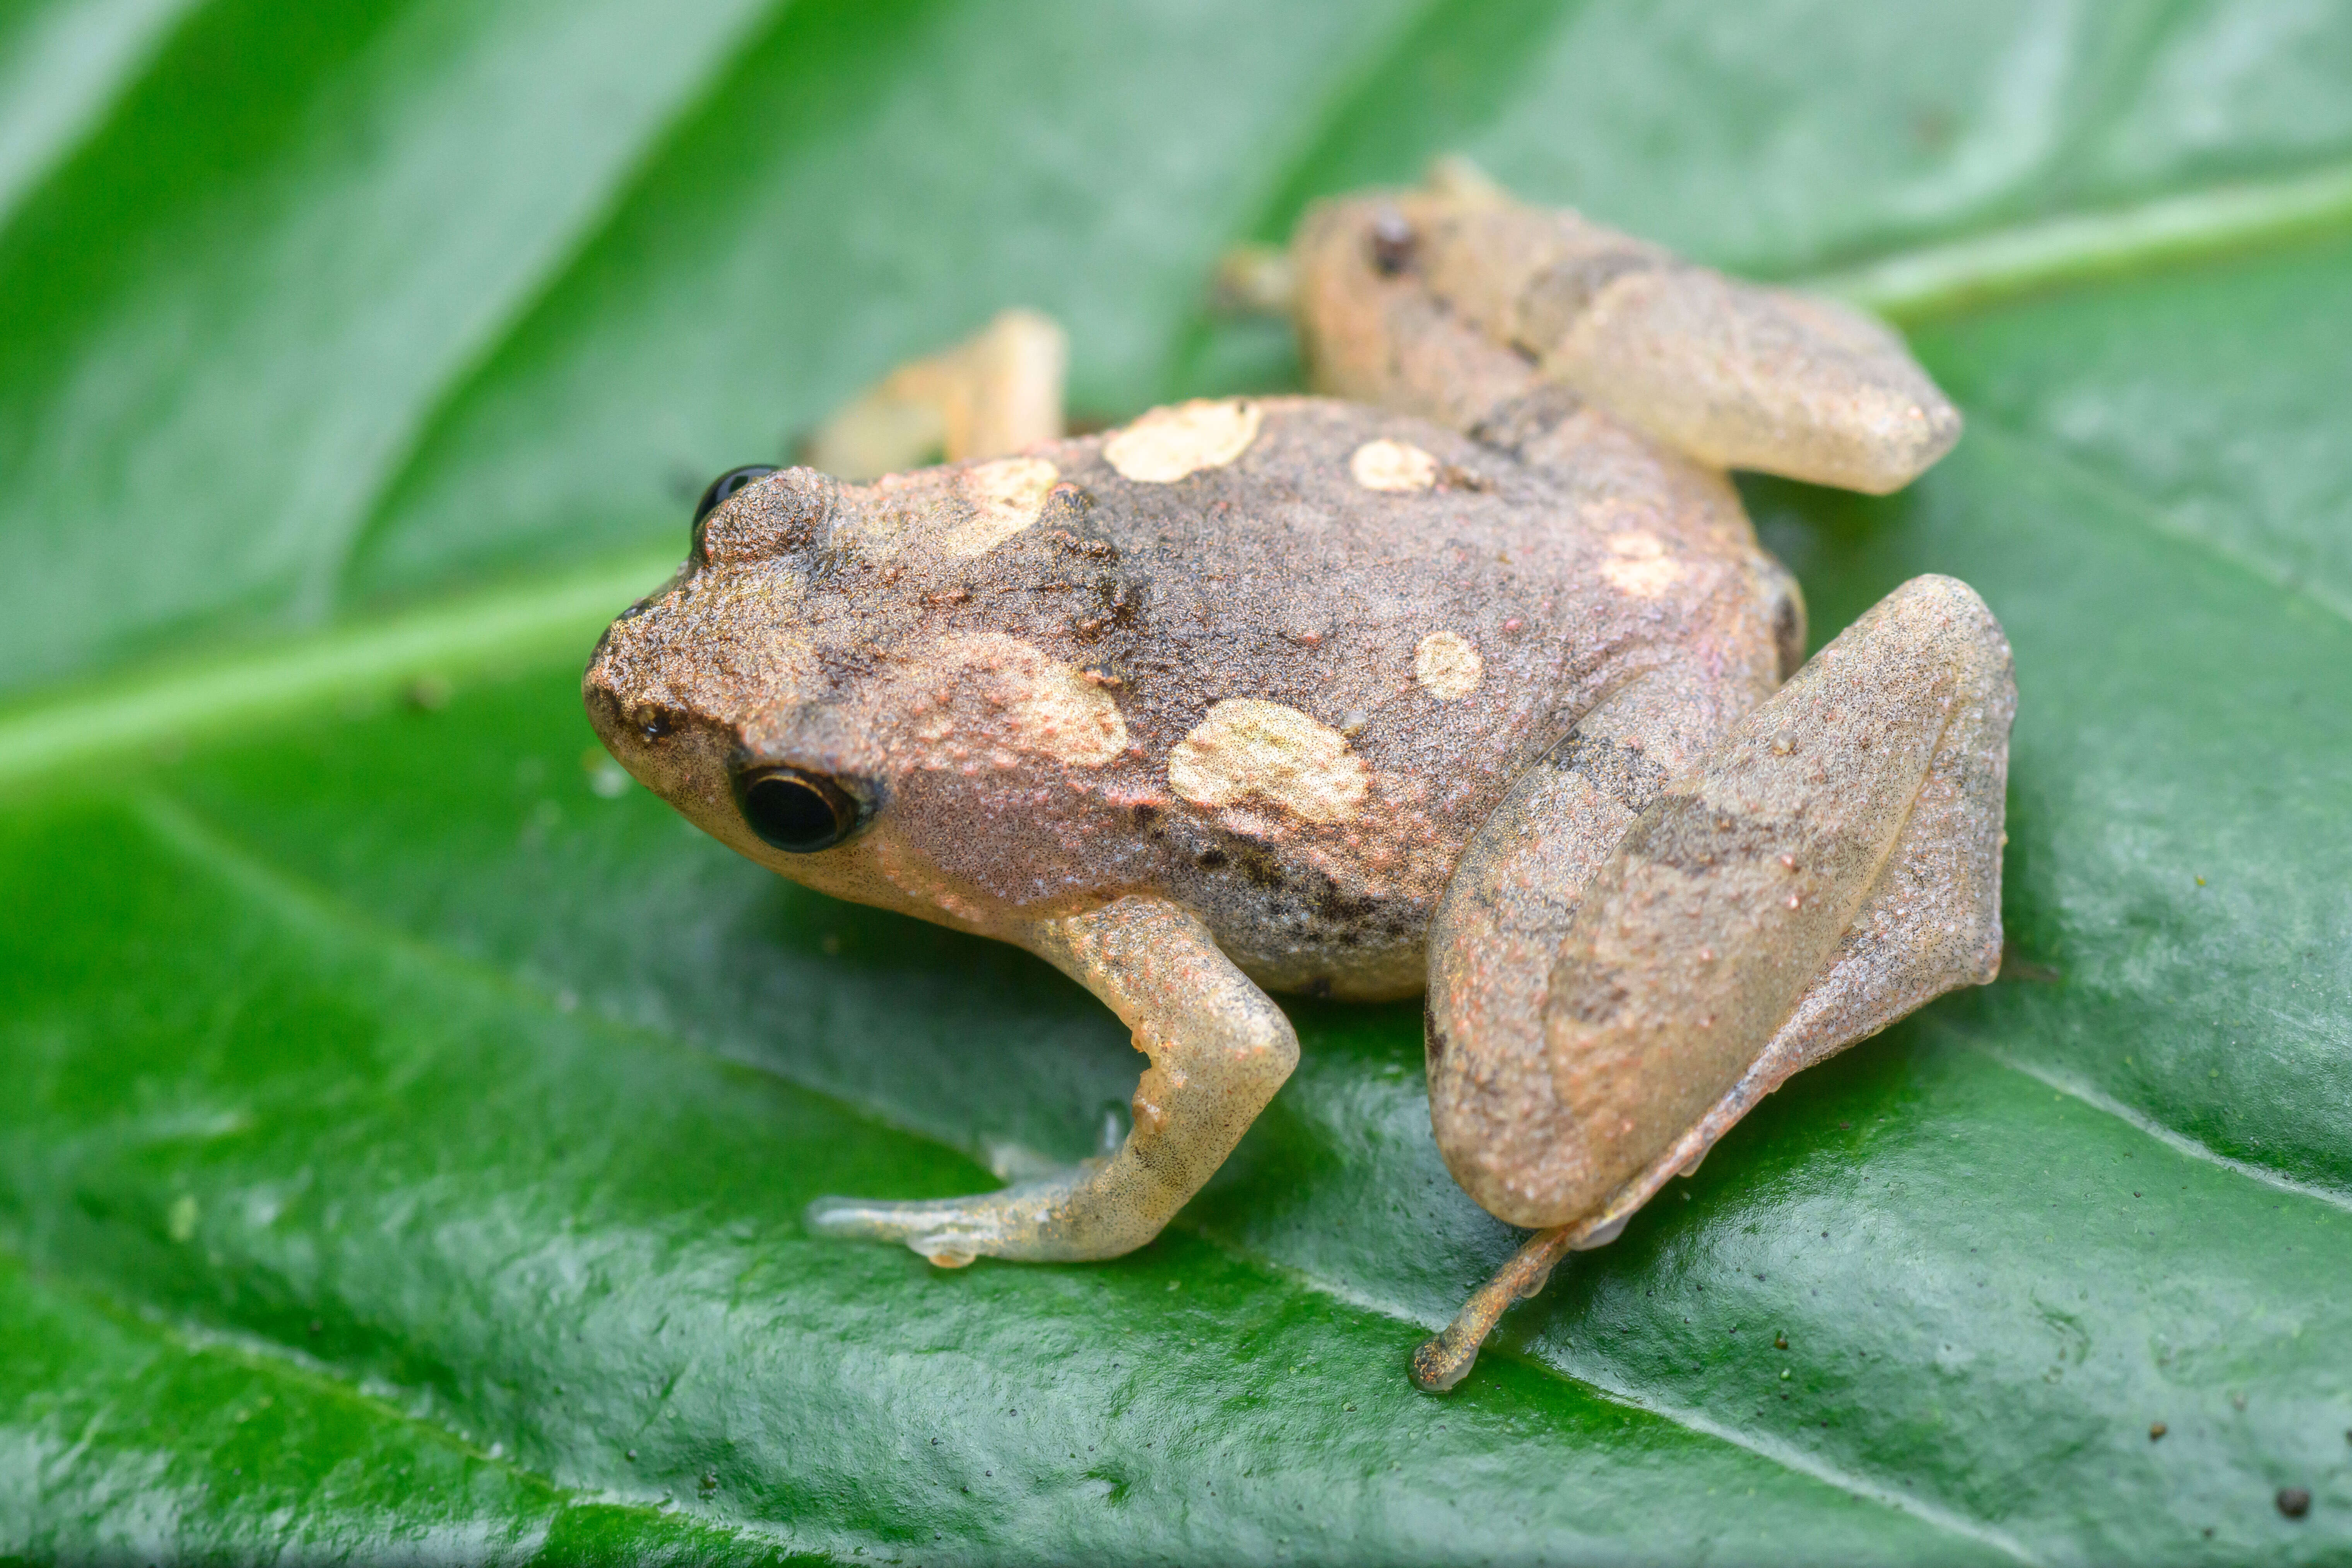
994 393
1830 864
1218 1048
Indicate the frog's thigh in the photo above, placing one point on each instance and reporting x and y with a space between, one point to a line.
1218 1048
1834 863
997 393
1508 907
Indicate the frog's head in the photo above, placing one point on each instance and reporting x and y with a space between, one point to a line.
870 689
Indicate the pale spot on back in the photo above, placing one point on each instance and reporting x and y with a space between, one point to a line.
1167 444
1387 464
1447 665
1006 497
1041 706
1643 568
1248 747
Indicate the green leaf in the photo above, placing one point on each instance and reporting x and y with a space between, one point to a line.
410 1121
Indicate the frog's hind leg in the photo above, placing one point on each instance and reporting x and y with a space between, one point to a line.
1392 287
1832 865
1218 1048
993 395
1743 376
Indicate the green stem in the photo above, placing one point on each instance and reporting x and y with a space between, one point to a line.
1940 279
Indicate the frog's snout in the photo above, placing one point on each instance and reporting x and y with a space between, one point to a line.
602 691
597 693
605 638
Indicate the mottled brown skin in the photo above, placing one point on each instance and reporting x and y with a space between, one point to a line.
1276 577
1468 681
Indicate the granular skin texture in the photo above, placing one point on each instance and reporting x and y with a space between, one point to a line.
1468 676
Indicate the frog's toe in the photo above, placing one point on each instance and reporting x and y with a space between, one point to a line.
1016 1222
923 1226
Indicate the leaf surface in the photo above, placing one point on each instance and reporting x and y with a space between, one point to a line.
412 1122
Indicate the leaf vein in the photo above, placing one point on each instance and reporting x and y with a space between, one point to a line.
2155 517
2179 1143
288 1366
1690 1418
1955 275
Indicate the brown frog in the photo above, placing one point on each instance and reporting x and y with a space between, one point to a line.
1468 676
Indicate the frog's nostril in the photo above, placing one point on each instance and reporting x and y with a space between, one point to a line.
597 692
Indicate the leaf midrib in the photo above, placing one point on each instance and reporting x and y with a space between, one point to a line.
502 630
451 636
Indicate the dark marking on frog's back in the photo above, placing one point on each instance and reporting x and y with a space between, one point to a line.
1617 769
1510 427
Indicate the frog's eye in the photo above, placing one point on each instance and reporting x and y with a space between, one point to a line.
1392 242
798 812
726 485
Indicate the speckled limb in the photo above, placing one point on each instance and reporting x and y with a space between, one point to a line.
990 396
1506 911
1747 377
1219 1051
1732 374
1832 865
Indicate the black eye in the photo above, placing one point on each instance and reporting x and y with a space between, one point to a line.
726 485
798 812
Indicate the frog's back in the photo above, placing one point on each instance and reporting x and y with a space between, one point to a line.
1335 637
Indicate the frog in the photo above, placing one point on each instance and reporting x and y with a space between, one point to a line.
1463 674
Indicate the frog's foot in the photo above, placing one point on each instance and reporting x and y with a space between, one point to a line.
1219 1049
1445 1359
1013 1222
1254 280
1831 864
1021 1221
994 393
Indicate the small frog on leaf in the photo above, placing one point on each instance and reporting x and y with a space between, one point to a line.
1467 674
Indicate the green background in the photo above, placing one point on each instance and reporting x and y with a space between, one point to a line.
406 1124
